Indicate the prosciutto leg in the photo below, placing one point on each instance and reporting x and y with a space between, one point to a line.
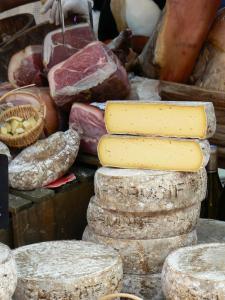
172 51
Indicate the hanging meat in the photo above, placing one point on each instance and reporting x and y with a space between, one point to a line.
174 48
209 72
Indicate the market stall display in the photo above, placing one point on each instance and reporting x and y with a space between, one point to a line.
153 154
8 273
195 272
67 269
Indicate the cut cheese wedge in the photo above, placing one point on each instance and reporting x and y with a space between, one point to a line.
161 118
135 152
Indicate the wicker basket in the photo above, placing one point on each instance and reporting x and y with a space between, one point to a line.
120 295
31 135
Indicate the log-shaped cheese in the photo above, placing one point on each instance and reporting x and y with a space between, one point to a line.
143 256
148 287
148 191
141 225
135 152
67 270
195 273
161 118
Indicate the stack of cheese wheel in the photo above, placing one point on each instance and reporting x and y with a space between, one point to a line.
67 270
149 191
8 273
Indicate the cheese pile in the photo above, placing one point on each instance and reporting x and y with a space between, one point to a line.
148 204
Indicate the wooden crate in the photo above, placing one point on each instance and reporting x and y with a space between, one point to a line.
45 215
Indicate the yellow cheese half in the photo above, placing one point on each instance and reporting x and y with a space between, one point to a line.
161 118
135 152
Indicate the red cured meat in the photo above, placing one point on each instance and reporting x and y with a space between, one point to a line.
26 67
76 38
89 122
93 73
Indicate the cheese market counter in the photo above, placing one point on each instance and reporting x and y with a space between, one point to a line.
46 214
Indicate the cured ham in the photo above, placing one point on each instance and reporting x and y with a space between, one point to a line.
174 48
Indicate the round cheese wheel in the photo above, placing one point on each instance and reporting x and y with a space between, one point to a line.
67 270
196 272
8 273
141 225
143 256
146 190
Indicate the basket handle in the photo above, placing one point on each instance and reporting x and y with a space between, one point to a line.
15 90
113 296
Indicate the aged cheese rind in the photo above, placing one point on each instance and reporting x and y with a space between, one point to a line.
161 118
210 231
196 272
167 154
45 161
67 270
143 256
127 225
148 287
145 190
8 273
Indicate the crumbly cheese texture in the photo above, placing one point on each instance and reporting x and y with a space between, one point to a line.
148 191
67 270
141 225
8 273
196 272
148 287
135 152
143 256
161 118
